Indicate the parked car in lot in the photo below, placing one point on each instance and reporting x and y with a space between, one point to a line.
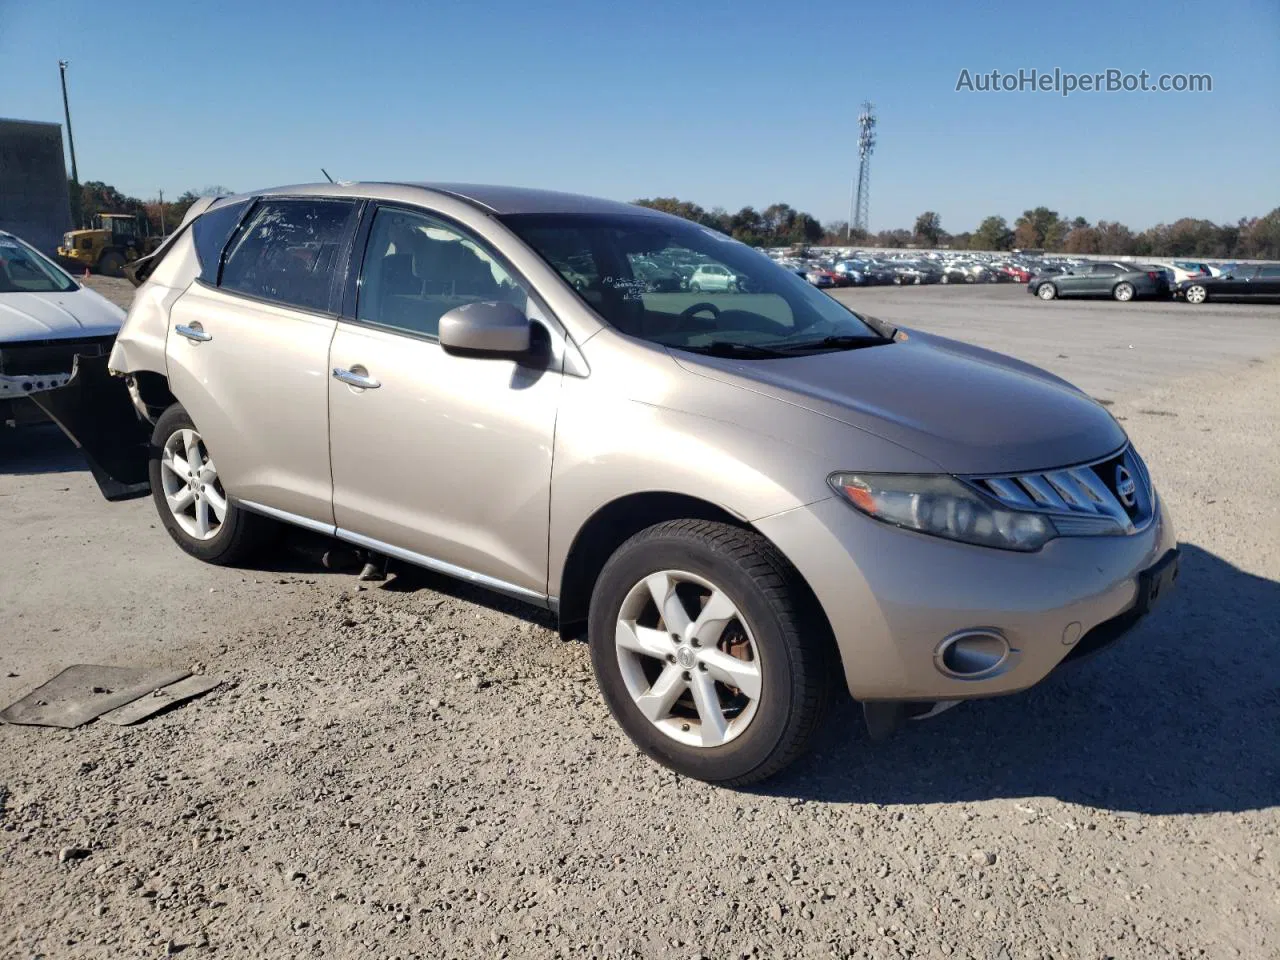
876 272
913 272
820 277
739 502
1120 281
1246 283
849 273
1181 270
713 278
1013 273
960 271
46 319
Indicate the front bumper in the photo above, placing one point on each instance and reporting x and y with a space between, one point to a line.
39 366
69 255
96 411
892 597
19 386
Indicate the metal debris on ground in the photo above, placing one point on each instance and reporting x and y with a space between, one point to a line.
85 691
161 699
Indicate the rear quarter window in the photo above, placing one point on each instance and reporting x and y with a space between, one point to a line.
210 232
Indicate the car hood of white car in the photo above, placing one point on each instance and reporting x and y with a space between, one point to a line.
57 316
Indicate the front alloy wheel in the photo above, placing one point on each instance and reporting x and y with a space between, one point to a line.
710 651
1196 294
1046 291
687 658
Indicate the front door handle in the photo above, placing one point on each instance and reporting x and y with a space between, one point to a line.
356 378
193 332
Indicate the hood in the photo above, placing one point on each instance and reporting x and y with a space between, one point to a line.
57 316
966 409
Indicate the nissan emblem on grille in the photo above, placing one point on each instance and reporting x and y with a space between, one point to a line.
1126 489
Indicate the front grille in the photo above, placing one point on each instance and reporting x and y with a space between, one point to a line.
49 356
1107 496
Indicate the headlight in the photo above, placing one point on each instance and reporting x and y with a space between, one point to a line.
942 507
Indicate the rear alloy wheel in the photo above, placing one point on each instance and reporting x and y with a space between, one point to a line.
708 651
1196 294
1123 291
695 287
192 503
192 492
1046 291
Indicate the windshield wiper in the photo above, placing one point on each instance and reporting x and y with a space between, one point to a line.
727 348
842 342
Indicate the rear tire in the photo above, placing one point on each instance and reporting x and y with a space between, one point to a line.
1123 291
1046 291
770 635
1196 294
186 494
111 264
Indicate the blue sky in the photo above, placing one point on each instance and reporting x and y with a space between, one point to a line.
722 103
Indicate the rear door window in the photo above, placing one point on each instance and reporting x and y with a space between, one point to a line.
287 251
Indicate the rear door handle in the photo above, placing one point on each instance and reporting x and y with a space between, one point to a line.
193 332
356 379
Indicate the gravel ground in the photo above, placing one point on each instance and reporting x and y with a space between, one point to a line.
418 770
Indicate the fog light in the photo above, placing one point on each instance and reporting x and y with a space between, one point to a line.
972 654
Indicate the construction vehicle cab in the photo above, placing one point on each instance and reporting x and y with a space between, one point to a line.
114 240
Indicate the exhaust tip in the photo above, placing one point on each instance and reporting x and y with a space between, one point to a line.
972 654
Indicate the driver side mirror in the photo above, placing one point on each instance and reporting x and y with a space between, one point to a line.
486 329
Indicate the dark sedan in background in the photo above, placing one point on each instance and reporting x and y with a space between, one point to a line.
1243 283
1120 281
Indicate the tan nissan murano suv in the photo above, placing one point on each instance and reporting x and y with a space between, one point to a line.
741 493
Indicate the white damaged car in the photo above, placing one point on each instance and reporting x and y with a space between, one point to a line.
46 320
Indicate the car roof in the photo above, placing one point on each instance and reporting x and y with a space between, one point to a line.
492 198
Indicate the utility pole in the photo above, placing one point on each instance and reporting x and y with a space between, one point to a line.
848 227
71 141
162 213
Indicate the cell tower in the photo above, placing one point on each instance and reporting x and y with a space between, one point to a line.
866 143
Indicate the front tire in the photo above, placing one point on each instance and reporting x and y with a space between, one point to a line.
1123 291
1046 291
192 503
1196 294
710 651
111 264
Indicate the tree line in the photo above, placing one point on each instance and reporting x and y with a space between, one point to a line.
780 225
95 197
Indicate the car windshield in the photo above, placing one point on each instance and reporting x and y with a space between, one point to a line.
681 285
23 270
